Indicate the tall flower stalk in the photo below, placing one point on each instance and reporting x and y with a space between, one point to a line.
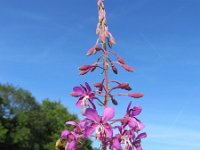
115 134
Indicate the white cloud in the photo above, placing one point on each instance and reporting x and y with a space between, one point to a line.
174 136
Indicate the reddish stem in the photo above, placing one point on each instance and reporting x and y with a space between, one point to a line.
105 66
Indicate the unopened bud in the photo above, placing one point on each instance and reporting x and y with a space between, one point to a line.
120 60
102 38
94 66
114 101
114 69
97 84
85 67
84 72
112 39
128 68
90 51
135 95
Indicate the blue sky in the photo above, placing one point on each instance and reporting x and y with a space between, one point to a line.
42 43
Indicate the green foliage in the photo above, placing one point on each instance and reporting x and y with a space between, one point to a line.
28 125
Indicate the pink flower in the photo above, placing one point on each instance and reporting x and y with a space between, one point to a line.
130 119
70 137
137 141
85 94
98 123
115 144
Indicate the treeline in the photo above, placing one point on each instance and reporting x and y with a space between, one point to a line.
26 124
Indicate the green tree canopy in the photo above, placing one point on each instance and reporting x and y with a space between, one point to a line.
27 125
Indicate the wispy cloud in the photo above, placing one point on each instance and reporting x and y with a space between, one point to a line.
176 136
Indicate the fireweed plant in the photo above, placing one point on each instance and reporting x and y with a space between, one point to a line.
127 135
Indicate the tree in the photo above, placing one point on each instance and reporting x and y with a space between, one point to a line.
27 125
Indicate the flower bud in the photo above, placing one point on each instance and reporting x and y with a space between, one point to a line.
90 51
128 68
135 95
120 60
102 38
112 39
94 66
114 101
114 69
97 48
97 84
124 86
85 67
84 72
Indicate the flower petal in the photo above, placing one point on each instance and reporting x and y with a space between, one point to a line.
140 125
78 103
88 87
74 123
108 130
141 136
108 114
129 105
135 111
90 129
116 144
92 114
78 89
132 122
71 146
64 134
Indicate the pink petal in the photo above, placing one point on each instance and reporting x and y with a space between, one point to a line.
72 146
108 114
90 129
78 89
140 125
64 134
129 105
132 122
116 144
135 111
92 114
78 103
88 87
141 136
139 148
75 94
108 130
71 123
